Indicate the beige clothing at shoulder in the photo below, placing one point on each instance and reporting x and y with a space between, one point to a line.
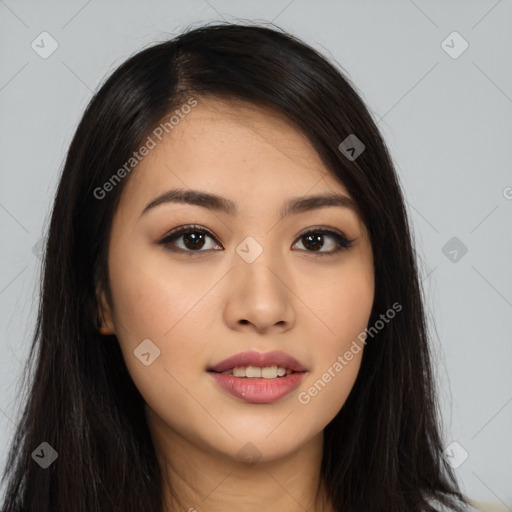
490 507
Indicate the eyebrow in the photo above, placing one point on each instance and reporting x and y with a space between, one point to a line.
217 203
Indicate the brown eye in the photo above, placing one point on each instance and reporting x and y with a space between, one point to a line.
193 239
315 240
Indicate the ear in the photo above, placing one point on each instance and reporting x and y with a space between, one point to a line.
104 312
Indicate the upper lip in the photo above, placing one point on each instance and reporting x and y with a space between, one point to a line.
253 358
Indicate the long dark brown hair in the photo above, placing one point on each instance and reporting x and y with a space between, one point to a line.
382 452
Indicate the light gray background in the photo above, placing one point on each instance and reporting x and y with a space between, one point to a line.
448 123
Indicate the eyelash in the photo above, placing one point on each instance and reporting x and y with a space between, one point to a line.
342 241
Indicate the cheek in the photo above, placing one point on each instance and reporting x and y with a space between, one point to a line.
152 299
152 303
343 309
337 362
342 306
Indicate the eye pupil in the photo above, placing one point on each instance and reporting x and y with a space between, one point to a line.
313 238
193 240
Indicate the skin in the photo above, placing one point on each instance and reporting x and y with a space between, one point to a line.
201 309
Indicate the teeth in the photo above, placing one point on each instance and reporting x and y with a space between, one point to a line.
268 372
252 372
255 372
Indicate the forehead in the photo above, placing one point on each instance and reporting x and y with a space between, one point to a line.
234 149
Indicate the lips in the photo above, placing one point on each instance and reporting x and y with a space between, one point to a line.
259 390
253 358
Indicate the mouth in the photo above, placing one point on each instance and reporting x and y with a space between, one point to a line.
256 372
249 364
258 378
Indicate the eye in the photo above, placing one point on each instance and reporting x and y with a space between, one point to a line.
194 240
314 240
193 236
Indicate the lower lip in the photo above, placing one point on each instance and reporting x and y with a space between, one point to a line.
258 390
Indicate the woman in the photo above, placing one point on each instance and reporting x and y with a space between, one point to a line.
231 314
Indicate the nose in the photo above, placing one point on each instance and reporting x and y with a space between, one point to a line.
260 296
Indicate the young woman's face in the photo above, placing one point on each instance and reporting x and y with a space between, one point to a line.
243 279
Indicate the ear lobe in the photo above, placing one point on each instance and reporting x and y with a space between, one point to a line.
104 313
